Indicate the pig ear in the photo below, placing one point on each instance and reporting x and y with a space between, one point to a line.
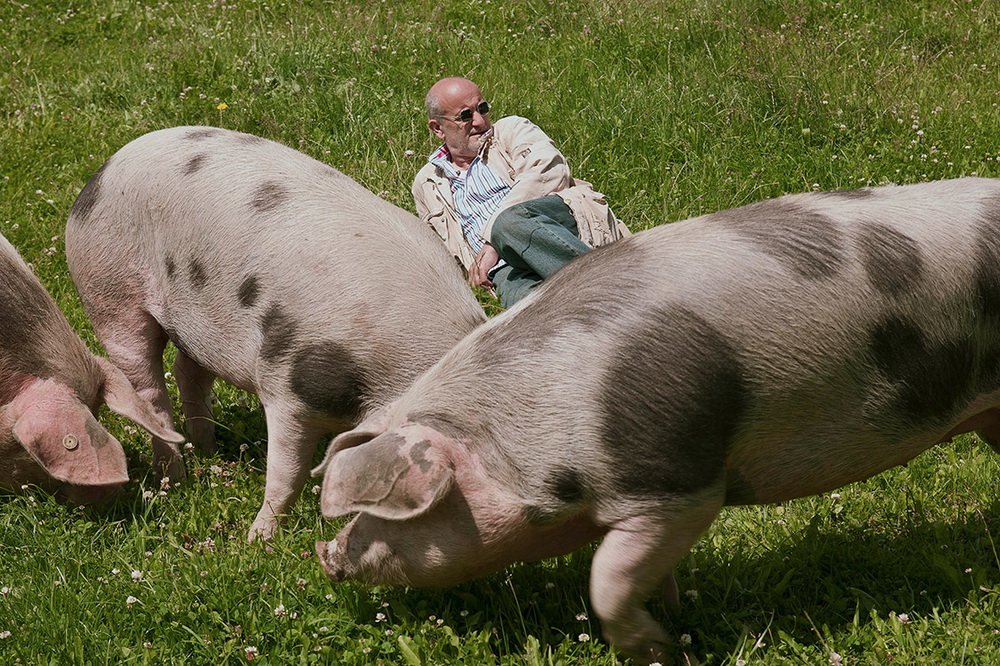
386 479
365 431
71 445
122 399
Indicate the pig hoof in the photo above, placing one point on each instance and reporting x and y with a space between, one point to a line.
262 530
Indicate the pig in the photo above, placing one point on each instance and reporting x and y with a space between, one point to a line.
269 270
51 387
753 355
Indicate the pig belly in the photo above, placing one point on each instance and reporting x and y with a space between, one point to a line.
234 360
775 472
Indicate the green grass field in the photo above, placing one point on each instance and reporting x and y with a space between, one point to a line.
670 108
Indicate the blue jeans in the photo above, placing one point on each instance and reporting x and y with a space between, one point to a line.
536 238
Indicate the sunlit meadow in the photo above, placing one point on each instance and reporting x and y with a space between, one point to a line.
670 108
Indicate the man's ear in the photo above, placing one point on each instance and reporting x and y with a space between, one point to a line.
436 128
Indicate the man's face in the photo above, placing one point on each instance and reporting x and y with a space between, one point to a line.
463 138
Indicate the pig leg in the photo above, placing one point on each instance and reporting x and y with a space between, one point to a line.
635 558
135 342
194 383
291 443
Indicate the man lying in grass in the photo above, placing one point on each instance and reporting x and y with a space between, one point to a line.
501 196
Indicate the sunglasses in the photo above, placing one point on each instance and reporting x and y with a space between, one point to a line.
467 114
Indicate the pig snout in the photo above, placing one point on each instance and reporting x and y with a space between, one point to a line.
364 559
326 551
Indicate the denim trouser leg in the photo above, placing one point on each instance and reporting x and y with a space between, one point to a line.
536 238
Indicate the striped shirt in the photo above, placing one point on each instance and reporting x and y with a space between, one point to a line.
477 193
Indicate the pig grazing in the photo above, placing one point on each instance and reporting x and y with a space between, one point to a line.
50 389
754 355
266 268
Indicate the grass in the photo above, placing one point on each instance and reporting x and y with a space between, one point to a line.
672 109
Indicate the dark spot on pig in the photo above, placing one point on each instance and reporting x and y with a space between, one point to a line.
195 164
279 332
99 437
328 379
566 485
202 133
738 490
930 380
672 401
249 291
268 196
87 199
804 241
419 457
891 259
197 274
171 267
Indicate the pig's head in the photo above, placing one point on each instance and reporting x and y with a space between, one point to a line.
429 511
49 435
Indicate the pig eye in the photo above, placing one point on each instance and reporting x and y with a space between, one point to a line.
71 442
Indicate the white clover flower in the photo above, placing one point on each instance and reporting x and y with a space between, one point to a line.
4 634
904 618
582 617
691 594
685 639
136 574
280 611
583 638
250 652
130 601
380 617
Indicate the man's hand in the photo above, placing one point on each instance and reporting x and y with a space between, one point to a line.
481 265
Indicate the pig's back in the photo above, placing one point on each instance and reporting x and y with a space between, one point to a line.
252 254
787 347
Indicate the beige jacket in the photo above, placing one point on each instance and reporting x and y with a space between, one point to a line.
522 155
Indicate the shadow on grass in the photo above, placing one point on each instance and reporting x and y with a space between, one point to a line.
824 576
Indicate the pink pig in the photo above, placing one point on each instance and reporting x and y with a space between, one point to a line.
754 355
269 270
50 389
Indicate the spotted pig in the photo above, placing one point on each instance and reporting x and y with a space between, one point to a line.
270 270
51 387
753 355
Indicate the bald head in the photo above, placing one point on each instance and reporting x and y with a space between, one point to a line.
443 94
447 102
